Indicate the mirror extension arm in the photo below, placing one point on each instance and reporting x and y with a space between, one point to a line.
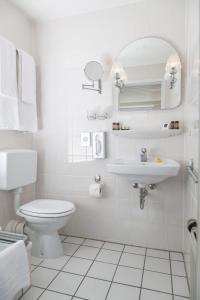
92 86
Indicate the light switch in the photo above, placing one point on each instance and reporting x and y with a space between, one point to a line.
85 139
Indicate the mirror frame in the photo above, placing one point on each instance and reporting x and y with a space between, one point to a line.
116 90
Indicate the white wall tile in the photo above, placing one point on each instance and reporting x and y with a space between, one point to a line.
64 169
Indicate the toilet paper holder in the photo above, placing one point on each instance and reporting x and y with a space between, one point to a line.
97 178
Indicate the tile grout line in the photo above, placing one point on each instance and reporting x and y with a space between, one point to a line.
115 273
118 283
141 285
36 267
129 267
186 273
171 275
93 261
59 272
71 256
89 268
131 245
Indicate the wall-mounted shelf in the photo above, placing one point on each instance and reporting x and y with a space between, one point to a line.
147 133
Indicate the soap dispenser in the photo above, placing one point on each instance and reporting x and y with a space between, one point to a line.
98 143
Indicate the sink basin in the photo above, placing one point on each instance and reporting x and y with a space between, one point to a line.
144 172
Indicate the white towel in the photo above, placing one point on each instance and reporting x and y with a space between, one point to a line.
27 92
27 78
8 74
14 270
9 116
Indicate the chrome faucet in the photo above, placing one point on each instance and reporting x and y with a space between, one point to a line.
143 155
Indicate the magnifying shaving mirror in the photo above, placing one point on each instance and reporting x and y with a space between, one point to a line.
94 72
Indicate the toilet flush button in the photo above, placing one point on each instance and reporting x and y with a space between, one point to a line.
85 139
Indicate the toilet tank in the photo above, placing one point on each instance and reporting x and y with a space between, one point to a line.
18 167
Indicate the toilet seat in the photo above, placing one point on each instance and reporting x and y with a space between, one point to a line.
47 208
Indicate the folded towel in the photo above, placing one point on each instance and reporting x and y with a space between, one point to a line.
27 92
9 116
14 270
26 78
8 75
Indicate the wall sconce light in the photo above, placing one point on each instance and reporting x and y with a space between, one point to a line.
172 78
118 81
172 69
119 75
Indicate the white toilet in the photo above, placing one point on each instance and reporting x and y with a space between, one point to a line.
44 217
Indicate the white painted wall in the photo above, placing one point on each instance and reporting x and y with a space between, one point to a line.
65 168
18 29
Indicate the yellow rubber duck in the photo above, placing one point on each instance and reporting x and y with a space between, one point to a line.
158 160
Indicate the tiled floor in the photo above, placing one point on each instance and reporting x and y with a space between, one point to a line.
96 270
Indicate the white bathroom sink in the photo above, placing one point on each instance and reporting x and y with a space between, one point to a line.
144 172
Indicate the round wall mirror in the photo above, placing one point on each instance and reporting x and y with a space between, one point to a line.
147 74
93 71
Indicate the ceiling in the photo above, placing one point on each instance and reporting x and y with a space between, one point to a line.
44 10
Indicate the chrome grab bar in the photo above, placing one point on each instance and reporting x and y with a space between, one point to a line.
193 172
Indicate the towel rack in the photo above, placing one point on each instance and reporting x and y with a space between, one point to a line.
193 172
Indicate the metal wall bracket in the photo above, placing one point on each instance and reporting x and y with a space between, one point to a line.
192 171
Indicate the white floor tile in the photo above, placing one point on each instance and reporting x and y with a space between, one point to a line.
18 295
26 289
93 243
132 260
48 295
178 268
32 294
180 286
87 252
93 289
69 249
119 292
78 265
102 270
74 240
36 260
42 277
66 283
176 256
157 281
113 246
128 276
33 268
62 237
157 265
109 256
134 250
55 263
158 253
151 295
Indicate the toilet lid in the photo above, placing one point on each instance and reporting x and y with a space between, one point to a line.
47 207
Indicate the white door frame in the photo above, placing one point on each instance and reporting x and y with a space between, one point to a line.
198 220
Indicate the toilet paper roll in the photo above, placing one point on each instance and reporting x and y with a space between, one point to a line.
95 190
